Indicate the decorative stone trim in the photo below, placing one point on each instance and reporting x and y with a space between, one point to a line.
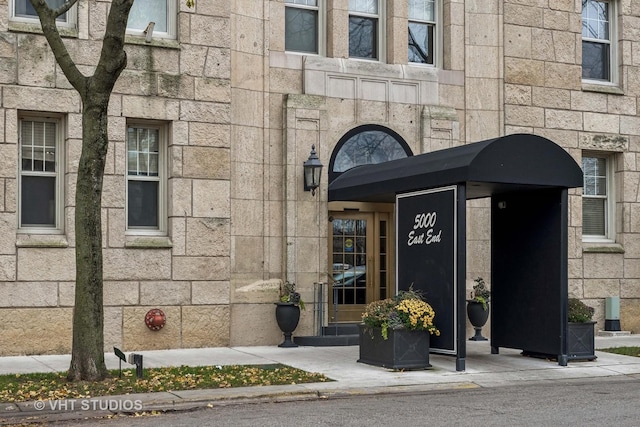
148 242
612 90
603 142
41 241
605 248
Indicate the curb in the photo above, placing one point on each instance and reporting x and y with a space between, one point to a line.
188 400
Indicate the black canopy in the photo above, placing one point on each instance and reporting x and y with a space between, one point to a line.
506 164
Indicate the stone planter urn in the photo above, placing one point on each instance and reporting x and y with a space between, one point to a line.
287 316
478 316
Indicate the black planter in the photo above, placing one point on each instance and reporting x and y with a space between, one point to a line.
403 349
287 316
478 317
580 341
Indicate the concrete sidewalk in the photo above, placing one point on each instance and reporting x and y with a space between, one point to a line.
483 369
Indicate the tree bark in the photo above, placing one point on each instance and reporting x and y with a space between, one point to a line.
87 353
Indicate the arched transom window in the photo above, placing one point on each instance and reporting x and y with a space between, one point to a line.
367 144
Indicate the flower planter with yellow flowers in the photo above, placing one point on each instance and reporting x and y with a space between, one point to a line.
395 333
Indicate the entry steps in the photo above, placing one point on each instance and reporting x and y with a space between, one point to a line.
335 334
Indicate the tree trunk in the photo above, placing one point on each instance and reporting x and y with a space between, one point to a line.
87 359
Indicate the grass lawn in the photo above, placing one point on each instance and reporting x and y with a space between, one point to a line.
627 351
54 386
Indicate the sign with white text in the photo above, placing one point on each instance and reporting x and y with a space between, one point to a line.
426 238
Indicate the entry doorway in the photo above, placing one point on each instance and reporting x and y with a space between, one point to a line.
361 257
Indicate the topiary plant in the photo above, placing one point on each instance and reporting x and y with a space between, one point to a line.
579 312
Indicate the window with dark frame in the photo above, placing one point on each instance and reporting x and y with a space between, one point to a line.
301 26
144 174
39 174
364 24
595 196
596 40
422 24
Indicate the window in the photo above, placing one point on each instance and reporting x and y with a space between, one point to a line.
301 26
146 186
598 52
40 201
22 10
162 13
364 29
597 200
366 144
422 24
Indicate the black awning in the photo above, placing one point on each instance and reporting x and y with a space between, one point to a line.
510 163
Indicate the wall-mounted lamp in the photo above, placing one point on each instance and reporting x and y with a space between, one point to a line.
312 172
148 32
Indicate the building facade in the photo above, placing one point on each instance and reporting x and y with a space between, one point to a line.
205 213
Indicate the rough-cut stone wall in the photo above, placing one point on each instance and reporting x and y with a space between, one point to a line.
186 273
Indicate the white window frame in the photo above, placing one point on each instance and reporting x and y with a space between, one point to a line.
163 146
382 33
172 24
612 41
69 22
58 227
436 34
610 215
320 9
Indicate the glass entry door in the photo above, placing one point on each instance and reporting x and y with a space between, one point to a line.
359 244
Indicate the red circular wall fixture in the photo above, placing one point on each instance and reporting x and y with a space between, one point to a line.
155 319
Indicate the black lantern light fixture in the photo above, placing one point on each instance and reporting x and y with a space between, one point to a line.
312 172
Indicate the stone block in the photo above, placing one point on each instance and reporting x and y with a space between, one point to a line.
165 293
254 324
601 288
209 135
525 15
247 108
596 122
180 197
210 292
482 94
211 199
563 119
630 315
115 228
217 34
206 162
201 268
257 292
27 331
205 326
45 264
247 217
247 181
213 90
137 264
7 232
218 63
602 265
248 254
208 236
551 98
136 335
177 86
518 94
36 62
524 71
524 116
121 293
40 99
149 107
112 328
29 294
201 111
564 76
